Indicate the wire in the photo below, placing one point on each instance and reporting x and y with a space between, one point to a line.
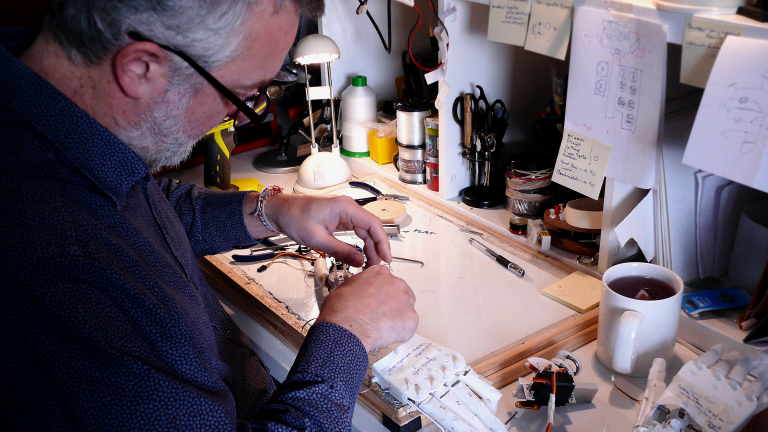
388 44
432 5
292 255
410 41
613 380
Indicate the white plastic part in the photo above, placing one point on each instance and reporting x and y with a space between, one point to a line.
451 399
551 409
654 387
407 2
433 378
758 386
541 364
710 357
482 387
624 351
321 170
739 372
726 363
477 406
567 355
444 416
710 401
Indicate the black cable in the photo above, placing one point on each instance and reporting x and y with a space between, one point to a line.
387 46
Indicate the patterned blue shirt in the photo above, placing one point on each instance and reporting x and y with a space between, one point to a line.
106 322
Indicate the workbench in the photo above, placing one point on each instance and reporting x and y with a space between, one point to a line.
277 349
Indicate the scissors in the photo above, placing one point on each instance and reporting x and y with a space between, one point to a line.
499 119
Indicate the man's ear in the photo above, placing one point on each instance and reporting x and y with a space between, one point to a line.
140 70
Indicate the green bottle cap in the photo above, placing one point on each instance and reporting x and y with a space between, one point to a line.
359 81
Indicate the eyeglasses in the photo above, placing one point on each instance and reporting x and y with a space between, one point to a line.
250 111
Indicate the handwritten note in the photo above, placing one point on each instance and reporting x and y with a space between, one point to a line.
549 29
508 21
702 40
730 135
581 163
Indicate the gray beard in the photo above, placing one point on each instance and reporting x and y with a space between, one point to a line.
162 137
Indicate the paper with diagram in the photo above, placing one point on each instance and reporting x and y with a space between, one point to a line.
702 40
730 134
615 89
508 21
549 28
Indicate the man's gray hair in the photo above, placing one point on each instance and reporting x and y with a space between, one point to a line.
207 30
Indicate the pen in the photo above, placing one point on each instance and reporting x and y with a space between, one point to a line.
509 265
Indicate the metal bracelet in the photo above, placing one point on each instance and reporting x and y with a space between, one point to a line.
259 212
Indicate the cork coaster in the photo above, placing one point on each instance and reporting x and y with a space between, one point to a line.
390 212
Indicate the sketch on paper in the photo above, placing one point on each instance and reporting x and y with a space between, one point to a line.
617 83
541 30
746 111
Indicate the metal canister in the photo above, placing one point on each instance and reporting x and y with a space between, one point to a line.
433 177
410 163
431 136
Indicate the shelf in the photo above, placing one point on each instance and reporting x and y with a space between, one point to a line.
496 218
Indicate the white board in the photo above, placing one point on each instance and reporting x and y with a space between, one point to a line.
465 300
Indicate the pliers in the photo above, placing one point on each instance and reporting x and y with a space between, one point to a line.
375 191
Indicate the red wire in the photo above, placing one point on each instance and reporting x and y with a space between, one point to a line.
411 40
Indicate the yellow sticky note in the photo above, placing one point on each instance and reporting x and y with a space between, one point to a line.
578 291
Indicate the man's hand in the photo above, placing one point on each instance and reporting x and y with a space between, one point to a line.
375 306
312 220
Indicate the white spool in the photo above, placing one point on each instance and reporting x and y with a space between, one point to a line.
410 123
358 105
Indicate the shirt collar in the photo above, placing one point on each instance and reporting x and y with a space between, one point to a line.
100 155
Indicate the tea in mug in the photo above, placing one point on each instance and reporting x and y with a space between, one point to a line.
642 288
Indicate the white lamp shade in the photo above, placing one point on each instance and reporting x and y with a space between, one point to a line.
321 170
316 48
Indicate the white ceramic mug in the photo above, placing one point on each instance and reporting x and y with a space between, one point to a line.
631 333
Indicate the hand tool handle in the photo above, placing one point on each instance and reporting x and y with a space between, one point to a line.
467 119
364 201
253 258
514 268
365 186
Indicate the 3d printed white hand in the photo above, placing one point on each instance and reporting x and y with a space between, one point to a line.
710 394
438 382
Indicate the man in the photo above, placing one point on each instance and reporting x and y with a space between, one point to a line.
107 322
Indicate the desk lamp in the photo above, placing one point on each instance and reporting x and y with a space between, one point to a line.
321 169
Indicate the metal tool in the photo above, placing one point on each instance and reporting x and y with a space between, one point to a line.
509 265
377 192
463 106
409 260
389 230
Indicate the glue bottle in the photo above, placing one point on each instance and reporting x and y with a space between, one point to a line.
358 105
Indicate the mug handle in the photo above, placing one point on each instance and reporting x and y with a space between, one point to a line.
624 351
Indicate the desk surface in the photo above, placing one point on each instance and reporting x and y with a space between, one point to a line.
611 410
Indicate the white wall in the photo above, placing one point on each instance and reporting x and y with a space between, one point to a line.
519 78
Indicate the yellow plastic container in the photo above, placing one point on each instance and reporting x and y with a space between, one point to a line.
382 149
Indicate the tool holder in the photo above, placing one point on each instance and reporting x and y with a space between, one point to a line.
487 175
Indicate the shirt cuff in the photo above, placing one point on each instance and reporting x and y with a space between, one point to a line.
223 222
335 355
